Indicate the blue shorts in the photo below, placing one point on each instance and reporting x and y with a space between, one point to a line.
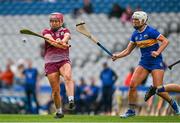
152 64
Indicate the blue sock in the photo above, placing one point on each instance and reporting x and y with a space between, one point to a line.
174 105
161 89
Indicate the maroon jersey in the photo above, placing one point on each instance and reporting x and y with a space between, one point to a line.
53 54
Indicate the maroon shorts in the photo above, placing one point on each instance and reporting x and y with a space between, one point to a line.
54 66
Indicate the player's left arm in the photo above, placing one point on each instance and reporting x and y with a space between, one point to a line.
164 43
66 38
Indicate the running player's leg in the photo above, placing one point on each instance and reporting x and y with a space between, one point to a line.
138 76
169 88
158 81
66 72
163 88
54 82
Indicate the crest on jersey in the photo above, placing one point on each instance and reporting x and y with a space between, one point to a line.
62 33
146 36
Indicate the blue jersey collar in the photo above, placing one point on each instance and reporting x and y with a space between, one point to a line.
142 30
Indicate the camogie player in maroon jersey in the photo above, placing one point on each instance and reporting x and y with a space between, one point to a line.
57 61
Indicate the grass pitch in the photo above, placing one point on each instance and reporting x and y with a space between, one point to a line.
85 118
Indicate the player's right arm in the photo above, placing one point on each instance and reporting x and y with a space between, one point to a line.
54 42
125 52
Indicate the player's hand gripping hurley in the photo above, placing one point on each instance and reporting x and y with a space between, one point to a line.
80 27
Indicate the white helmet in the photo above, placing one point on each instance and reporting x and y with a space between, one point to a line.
140 15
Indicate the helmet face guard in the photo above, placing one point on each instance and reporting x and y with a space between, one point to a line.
141 16
56 16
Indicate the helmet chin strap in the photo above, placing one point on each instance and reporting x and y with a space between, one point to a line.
55 29
138 27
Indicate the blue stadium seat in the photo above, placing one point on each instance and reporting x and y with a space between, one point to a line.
98 5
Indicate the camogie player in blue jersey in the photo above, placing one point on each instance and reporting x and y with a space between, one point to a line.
146 38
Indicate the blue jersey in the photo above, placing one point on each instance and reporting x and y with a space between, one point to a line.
31 76
108 77
147 42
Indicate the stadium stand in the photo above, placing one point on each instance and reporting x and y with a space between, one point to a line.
40 7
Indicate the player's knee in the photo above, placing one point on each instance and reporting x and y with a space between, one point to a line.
55 93
55 90
133 85
68 78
